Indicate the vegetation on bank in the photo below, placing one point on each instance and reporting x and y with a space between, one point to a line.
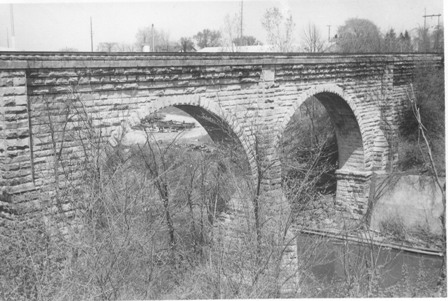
130 242
428 88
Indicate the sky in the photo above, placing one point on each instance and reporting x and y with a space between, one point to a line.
52 26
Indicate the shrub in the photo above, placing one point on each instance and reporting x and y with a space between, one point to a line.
430 100
31 261
394 226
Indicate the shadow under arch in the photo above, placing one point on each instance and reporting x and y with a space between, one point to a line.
357 136
363 151
219 124
218 130
361 143
348 134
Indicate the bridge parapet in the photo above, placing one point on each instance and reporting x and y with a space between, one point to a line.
37 60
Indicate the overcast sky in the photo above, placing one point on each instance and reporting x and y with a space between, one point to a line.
51 26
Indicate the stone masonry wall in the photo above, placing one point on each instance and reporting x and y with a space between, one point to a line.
16 169
47 98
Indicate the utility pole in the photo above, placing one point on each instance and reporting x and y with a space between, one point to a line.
91 35
241 24
7 37
424 29
424 20
438 30
329 26
13 34
152 33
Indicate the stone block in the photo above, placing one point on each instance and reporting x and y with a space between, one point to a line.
6 82
113 88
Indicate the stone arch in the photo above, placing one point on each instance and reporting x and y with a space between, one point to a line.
219 124
358 136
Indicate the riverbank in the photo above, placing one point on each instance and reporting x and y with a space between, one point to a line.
196 135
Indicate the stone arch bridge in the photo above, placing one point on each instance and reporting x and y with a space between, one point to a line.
252 95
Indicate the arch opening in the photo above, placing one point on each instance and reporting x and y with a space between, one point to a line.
188 188
321 140
190 125
208 174
214 134
309 149
217 129
348 133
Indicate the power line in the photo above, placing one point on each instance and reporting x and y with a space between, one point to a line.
12 19
424 28
241 19
91 35
13 34
430 16
152 33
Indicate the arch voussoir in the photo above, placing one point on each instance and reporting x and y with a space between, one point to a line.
361 142
371 145
193 100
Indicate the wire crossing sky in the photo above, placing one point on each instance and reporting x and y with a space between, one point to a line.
51 26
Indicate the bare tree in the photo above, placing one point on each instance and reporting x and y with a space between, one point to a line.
157 40
107 47
404 41
279 29
158 160
186 45
124 47
428 40
231 35
312 39
438 38
230 32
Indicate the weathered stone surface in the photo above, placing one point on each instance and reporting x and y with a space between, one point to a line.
46 98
